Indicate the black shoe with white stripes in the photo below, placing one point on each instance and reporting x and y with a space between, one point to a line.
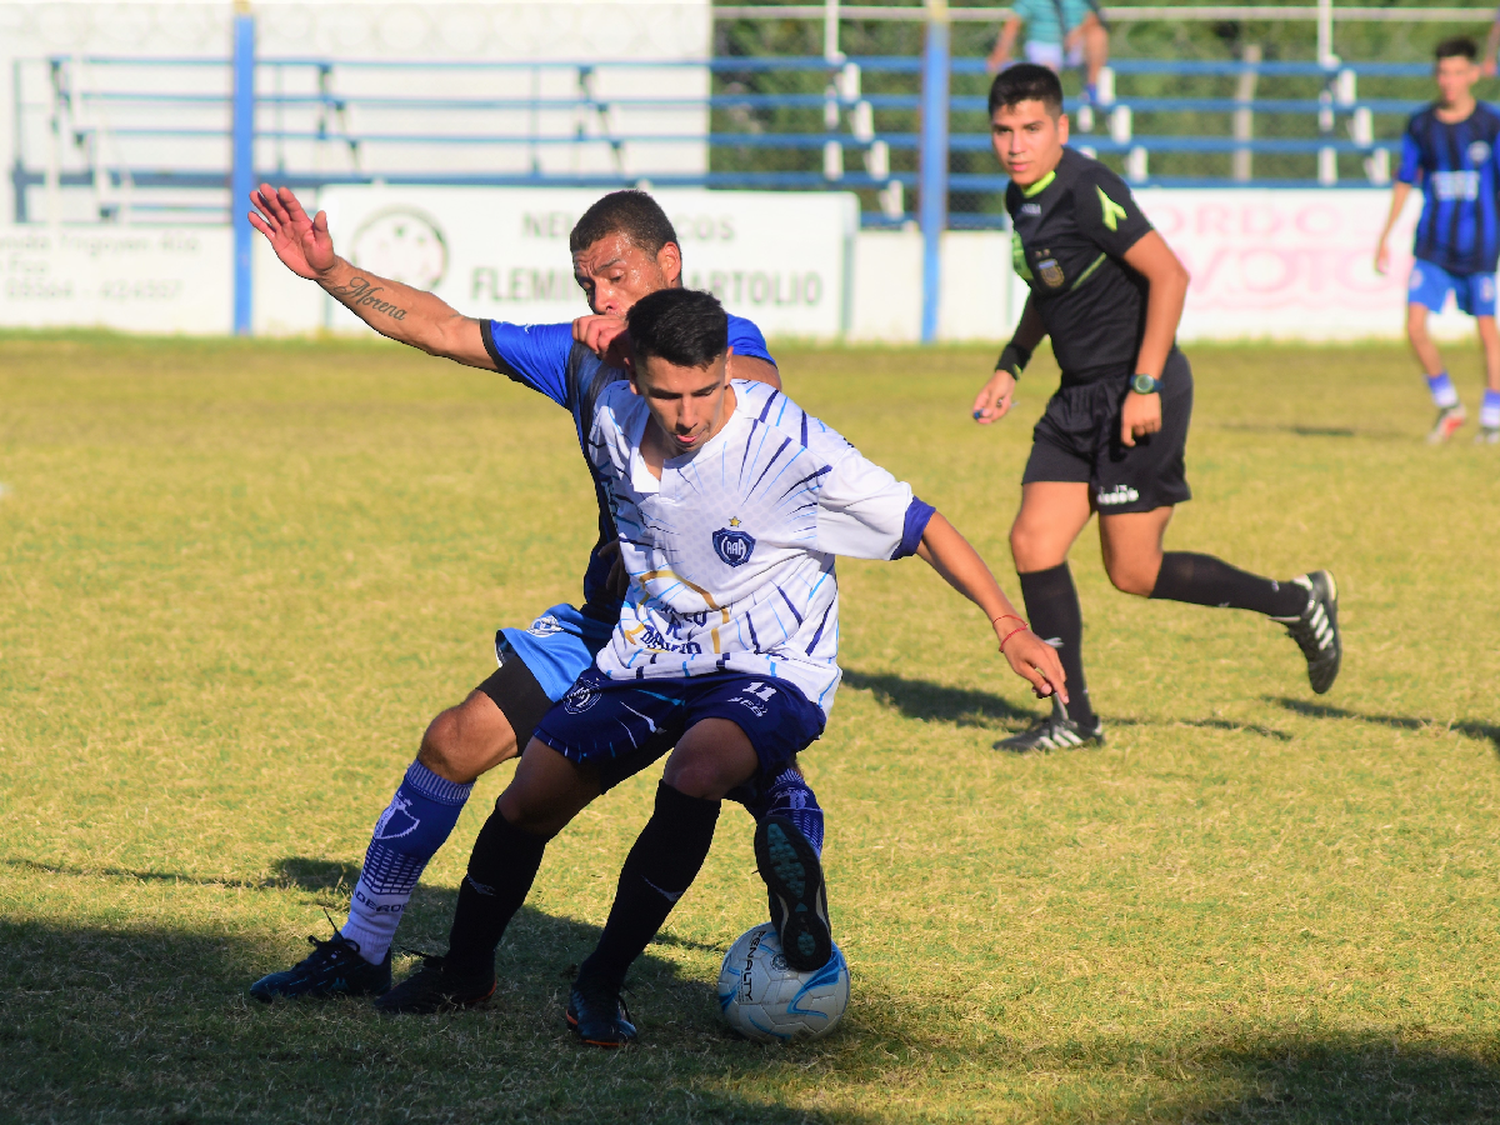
1055 732
1316 629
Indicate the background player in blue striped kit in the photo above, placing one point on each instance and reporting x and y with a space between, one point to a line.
1450 147
623 248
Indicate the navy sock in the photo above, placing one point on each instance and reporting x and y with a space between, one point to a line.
502 867
407 835
1205 580
1054 615
661 866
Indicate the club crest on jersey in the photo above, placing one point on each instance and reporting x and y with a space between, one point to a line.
1050 272
733 546
1479 152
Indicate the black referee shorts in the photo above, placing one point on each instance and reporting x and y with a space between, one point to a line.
1078 441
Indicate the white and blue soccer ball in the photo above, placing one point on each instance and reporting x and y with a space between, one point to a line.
764 998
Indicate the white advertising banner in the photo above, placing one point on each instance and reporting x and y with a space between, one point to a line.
774 257
136 279
1287 264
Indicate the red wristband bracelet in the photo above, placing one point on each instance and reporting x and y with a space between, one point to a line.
1010 616
1024 627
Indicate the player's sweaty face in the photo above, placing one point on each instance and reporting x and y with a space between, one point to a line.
688 404
614 273
1454 78
1028 140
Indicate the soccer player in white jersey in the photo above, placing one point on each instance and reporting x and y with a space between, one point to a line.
731 503
623 247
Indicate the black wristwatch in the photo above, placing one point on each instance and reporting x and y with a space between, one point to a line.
1144 384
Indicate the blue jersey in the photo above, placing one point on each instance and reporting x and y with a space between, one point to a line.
1459 230
546 358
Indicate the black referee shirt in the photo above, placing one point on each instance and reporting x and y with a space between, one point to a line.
1071 232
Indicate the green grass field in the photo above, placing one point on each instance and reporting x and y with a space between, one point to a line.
237 579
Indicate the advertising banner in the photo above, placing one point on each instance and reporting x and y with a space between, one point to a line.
136 279
1288 264
775 257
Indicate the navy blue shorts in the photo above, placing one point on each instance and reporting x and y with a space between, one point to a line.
622 726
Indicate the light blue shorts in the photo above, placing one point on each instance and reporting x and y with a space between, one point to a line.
1429 286
557 647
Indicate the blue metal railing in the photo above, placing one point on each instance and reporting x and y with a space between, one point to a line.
223 136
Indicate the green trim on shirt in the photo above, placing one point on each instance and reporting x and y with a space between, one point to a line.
1041 185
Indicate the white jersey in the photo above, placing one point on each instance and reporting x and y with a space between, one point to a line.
731 552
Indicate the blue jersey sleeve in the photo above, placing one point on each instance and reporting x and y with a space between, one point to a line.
1411 157
746 340
534 355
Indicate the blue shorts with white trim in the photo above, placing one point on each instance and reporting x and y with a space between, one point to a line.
1429 286
606 723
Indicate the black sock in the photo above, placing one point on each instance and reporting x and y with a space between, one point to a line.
1205 580
1052 606
501 870
661 866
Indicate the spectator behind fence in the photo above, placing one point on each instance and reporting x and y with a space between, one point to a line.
1058 32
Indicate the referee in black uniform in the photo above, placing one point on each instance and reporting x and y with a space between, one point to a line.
1108 290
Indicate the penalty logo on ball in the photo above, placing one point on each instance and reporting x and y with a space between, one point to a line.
765 999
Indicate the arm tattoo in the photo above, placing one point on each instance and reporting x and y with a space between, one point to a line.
360 293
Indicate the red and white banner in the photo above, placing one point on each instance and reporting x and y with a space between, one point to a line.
1288 264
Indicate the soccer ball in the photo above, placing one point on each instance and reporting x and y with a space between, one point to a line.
764 998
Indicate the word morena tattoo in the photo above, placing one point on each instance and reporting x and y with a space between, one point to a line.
362 294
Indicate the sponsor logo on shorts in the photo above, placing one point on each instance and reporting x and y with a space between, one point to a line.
1486 288
545 626
580 698
759 694
1119 494
1415 282
1479 152
734 547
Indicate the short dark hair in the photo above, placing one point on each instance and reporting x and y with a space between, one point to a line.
685 327
1026 82
1456 47
632 213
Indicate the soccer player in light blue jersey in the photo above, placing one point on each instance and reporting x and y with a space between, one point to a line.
623 248
731 504
1453 149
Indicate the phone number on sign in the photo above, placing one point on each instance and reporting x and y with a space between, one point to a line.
152 290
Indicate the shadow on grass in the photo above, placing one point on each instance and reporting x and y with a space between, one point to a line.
1330 1078
314 875
1237 728
925 700
1488 731
128 1023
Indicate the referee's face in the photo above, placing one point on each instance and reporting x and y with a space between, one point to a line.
1028 140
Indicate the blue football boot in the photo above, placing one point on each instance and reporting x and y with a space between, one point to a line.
333 968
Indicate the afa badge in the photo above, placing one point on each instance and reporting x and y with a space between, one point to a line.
1050 272
734 547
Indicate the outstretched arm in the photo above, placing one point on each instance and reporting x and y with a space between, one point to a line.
410 316
1030 657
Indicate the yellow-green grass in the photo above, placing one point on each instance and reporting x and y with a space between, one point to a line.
237 579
